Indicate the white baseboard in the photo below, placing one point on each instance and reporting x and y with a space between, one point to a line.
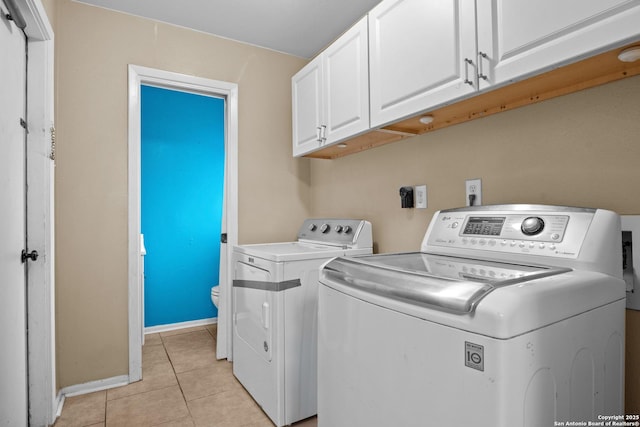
181 325
59 404
92 386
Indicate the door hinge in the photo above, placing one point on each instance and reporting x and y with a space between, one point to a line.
223 238
15 15
24 125
33 255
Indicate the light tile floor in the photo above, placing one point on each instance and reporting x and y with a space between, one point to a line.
183 385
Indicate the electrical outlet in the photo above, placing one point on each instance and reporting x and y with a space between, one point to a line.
473 192
421 196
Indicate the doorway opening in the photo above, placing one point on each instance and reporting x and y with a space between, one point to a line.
140 77
182 180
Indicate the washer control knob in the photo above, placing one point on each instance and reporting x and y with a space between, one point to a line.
312 227
324 228
532 225
338 228
347 229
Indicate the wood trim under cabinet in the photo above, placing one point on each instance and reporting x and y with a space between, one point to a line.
591 72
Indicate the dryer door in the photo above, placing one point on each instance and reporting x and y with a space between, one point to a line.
253 309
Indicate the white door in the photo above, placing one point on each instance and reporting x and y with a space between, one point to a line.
522 37
13 347
346 84
421 54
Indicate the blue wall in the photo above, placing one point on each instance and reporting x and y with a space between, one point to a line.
182 187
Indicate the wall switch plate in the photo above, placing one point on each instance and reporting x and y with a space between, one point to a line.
421 196
473 192
631 258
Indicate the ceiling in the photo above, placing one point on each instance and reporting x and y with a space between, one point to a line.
297 27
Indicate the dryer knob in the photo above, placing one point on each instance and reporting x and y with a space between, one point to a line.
312 227
324 228
338 228
532 225
347 229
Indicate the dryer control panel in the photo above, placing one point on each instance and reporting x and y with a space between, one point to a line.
351 233
535 231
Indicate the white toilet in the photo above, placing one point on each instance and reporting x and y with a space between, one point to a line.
215 295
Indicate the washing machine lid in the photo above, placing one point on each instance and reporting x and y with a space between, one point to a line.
290 251
443 282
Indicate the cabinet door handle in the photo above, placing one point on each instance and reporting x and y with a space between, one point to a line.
318 134
481 74
467 62
324 133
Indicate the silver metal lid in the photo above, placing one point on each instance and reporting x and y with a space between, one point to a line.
446 283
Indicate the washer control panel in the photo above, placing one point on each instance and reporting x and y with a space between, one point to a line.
536 232
541 228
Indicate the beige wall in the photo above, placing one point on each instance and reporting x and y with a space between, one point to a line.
582 149
93 48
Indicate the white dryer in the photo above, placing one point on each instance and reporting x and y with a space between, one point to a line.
275 298
509 316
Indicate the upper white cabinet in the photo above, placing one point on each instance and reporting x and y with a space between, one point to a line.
428 53
331 93
520 38
422 53
425 55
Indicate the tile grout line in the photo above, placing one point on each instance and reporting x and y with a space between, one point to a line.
177 380
105 407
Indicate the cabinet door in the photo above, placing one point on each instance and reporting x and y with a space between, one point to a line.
308 110
346 84
522 37
417 52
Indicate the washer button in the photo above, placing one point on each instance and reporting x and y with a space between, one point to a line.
555 236
454 225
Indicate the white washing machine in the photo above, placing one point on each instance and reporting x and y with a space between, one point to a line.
275 299
509 316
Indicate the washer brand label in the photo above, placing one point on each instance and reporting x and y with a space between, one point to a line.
474 356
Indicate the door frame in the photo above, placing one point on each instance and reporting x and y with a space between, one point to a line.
43 394
138 76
